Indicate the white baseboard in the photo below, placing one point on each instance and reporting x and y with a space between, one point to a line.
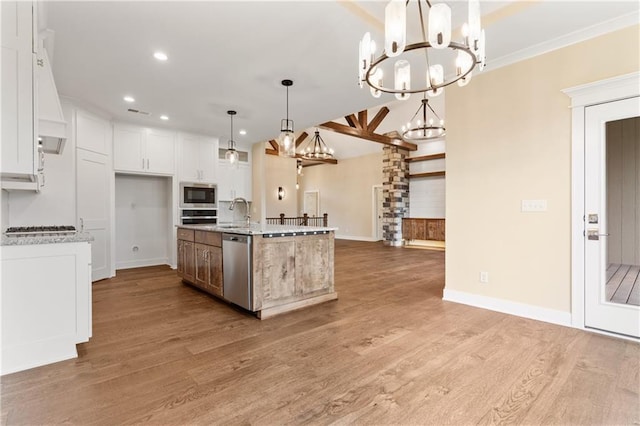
508 307
34 354
355 238
141 263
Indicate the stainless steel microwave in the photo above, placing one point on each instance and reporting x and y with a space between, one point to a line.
198 196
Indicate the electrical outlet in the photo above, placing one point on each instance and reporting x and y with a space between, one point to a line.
484 277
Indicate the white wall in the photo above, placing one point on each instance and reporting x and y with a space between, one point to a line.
346 193
427 195
143 206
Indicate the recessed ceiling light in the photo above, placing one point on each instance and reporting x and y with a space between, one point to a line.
164 117
242 132
161 56
129 99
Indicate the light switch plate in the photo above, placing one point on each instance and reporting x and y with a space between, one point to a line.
534 205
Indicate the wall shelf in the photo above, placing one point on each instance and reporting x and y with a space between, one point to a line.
426 157
427 174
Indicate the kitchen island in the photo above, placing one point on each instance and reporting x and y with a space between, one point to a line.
285 267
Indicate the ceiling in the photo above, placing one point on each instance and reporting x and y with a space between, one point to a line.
233 55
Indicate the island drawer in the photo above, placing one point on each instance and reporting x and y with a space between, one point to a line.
185 234
209 238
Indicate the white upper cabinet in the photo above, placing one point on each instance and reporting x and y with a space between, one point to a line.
19 142
143 150
198 159
234 181
93 133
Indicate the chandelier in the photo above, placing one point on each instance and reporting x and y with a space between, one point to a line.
316 149
428 65
421 127
287 142
232 154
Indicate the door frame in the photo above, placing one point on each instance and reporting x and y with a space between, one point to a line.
583 96
374 217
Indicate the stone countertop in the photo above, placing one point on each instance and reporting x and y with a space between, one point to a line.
259 229
24 241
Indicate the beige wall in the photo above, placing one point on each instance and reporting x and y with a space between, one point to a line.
508 139
280 172
346 193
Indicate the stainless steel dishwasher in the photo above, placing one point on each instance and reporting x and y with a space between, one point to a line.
236 269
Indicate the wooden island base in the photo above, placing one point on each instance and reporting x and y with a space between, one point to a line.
294 306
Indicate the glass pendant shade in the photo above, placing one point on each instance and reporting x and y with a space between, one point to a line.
377 79
440 26
435 78
402 71
286 140
395 27
474 24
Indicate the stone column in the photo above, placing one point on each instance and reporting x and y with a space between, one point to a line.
396 193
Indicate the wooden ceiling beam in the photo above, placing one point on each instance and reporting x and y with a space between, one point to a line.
370 136
305 162
274 144
353 121
362 118
301 138
377 119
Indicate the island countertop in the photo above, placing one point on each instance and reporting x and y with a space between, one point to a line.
259 229
78 237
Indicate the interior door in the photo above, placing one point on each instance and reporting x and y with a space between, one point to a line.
93 208
612 217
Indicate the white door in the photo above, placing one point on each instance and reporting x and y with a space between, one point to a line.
93 208
612 212
311 203
378 213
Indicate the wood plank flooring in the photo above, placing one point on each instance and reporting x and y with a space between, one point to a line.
623 284
389 351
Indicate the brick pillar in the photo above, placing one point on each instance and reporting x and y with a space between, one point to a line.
395 190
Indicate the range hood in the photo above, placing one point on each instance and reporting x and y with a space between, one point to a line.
52 127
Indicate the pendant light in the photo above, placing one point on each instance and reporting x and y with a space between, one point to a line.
232 154
287 141
316 149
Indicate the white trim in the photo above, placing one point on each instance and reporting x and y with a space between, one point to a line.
374 214
608 90
508 307
566 40
304 201
129 264
355 238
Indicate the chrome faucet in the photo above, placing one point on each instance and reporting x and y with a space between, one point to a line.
233 204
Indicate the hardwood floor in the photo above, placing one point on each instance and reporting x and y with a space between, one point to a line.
389 351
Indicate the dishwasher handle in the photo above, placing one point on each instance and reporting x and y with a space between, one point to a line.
236 238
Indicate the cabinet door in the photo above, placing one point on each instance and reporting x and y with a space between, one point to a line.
225 180
189 272
215 270
128 146
160 152
189 159
92 133
208 157
202 265
242 181
180 251
19 144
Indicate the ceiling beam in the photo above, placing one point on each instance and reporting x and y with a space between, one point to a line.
305 161
370 136
274 144
301 138
373 125
362 118
353 121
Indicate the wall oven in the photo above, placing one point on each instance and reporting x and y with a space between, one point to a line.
198 196
198 217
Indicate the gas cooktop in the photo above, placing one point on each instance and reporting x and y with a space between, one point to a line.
40 231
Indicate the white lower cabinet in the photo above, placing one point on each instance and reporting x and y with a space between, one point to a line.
143 150
234 181
198 158
46 303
